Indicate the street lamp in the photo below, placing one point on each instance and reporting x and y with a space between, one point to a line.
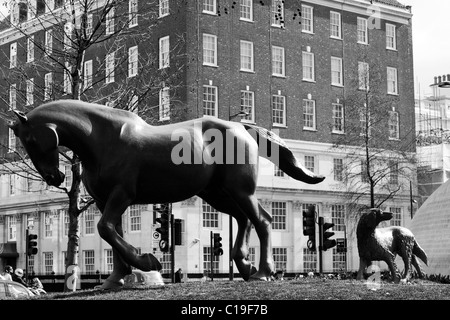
241 113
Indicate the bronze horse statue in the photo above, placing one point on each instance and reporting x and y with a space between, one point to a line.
127 161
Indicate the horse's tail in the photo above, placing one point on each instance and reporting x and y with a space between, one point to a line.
273 148
418 252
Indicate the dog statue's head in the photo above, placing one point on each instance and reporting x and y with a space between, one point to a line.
374 216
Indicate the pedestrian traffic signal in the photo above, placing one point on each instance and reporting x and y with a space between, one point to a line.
163 228
325 242
309 227
32 244
217 244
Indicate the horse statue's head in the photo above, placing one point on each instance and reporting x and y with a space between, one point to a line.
41 143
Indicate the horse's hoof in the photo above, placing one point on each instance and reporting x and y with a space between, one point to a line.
111 285
253 270
150 263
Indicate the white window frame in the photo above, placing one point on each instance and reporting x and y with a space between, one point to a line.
310 163
307 19
110 22
30 48
164 8
49 42
164 52
48 86
279 213
12 141
246 55
362 30
87 74
12 227
394 125
248 105
363 75
110 66
335 25
13 96
132 13
391 37
338 118
67 78
392 81
278 113
337 72
164 104
29 92
133 56
278 61
13 55
309 115
246 10
308 71
277 15
209 50
209 7
338 169
210 105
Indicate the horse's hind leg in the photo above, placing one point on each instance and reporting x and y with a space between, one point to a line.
416 265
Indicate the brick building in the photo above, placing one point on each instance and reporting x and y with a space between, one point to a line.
291 65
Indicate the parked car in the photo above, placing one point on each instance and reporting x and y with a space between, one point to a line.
14 290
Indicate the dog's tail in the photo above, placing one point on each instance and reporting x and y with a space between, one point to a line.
273 148
418 252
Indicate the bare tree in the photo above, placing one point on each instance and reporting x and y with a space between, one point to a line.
74 33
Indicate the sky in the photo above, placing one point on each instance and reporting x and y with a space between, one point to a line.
431 41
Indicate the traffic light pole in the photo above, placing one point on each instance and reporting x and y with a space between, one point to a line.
212 256
172 243
321 222
27 232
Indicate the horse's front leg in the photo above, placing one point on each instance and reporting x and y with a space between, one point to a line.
240 249
124 254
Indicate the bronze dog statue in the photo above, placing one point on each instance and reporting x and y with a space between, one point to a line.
383 244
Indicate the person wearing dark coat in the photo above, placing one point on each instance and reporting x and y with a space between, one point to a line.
17 276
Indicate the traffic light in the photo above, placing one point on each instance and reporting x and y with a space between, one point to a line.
309 227
217 244
178 232
32 244
163 229
325 242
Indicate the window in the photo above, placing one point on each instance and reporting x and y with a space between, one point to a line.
280 258
339 261
307 19
394 125
391 41
30 91
209 50
48 86
338 217
109 260
68 32
310 163
338 169
48 42
13 183
279 215
164 104
166 263
210 101
335 25
209 6
110 24
88 27
163 8
362 31
338 118
31 264
364 121
89 225
110 67
13 96
336 72
11 140
279 110
309 260
65 214
363 75
12 228
309 114
277 13
393 173
210 216
49 5
248 105
364 173
133 13
132 61
13 55
30 49
308 66
277 172
135 217
392 81
247 56
88 74
278 61
246 10
48 224
48 262
397 216
89 261
207 261
164 50
67 78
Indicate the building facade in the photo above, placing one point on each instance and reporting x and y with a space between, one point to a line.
290 65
